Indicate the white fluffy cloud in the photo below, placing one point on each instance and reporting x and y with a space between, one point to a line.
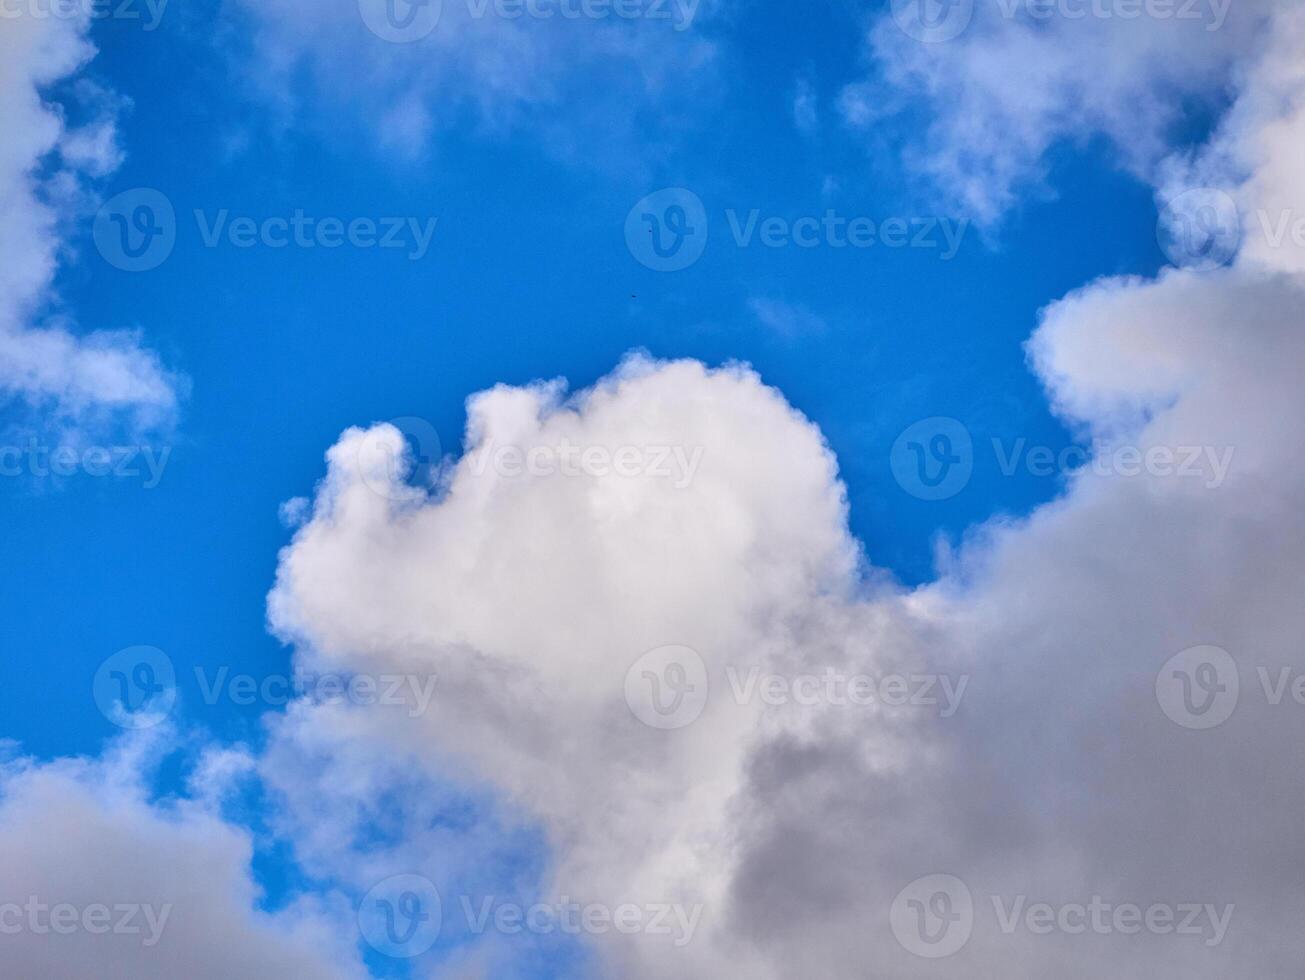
72 380
101 881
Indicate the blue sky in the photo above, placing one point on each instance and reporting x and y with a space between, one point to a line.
527 275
